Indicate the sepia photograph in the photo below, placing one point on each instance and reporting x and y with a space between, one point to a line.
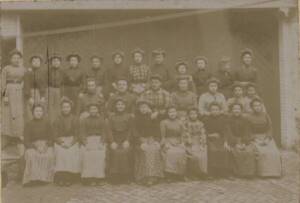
150 101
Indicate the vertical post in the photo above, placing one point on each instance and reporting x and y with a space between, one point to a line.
19 34
288 67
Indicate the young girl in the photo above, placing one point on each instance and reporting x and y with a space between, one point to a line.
66 147
183 99
269 158
243 150
174 154
213 95
196 145
39 156
138 72
148 162
201 74
182 71
94 131
120 155
226 76
218 134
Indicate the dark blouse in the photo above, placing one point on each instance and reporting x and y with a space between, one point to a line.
163 71
55 78
260 123
66 126
239 127
121 127
244 74
226 79
200 77
37 129
97 74
93 125
128 97
87 99
217 124
144 125
35 79
73 77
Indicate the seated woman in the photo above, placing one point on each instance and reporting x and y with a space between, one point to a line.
66 147
120 151
183 98
269 159
196 145
218 133
93 132
244 152
39 156
172 132
148 162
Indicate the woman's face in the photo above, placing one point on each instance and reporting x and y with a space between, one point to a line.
118 59
56 62
172 113
155 84
91 86
247 59
96 62
182 69
236 110
251 91
193 115
74 61
122 85
183 85
66 108
215 110
120 106
15 59
159 59
257 107
238 91
36 62
138 58
201 64
38 112
93 110
144 108
213 87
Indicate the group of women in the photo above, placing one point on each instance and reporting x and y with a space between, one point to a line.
136 123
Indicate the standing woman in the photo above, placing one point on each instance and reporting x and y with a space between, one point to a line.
243 150
73 79
120 152
247 73
269 158
218 134
12 91
39 156
138 72
172 132
148 160
93 133
183 99
202 74
55 85
66 147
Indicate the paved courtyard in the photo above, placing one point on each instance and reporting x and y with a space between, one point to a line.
283 190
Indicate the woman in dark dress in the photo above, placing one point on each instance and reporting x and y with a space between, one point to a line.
269 158
120 152
201 75
243 150
218 134
66 147
148 160
39 156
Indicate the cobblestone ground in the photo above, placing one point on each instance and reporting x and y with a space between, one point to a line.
284 190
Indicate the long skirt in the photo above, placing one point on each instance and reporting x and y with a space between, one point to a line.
39 163
13 112
53 100
120 161
148 160
93 157
67 159
269 158
174 155
197 159
245 161
218 158
36 100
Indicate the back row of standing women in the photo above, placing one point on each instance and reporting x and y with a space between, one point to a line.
163 125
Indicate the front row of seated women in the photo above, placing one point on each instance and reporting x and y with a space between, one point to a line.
126 147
